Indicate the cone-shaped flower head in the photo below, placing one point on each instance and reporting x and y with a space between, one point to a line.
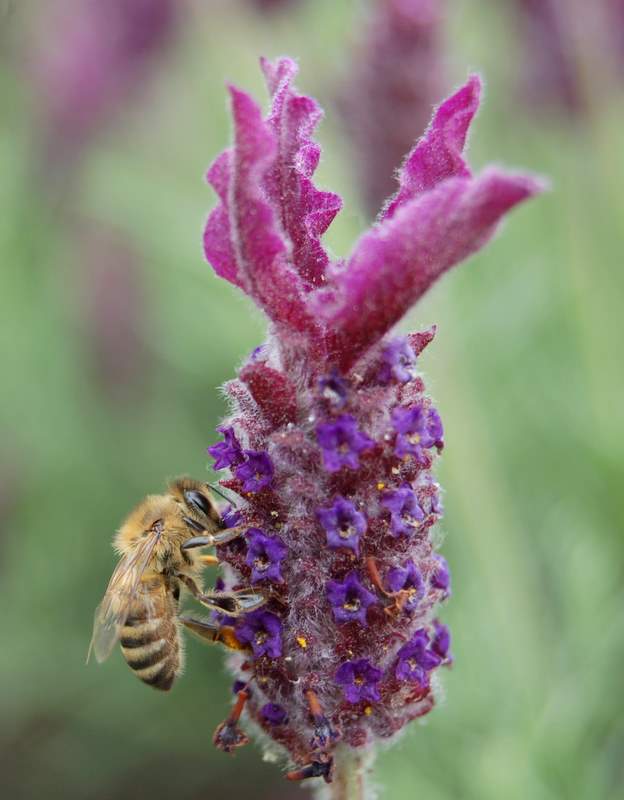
332 437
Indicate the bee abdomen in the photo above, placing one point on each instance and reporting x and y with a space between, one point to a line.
152 649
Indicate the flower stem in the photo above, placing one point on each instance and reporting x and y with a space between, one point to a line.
351 770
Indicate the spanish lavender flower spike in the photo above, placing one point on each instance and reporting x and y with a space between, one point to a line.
337 435
398 75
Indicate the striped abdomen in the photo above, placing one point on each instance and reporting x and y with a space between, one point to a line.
150 639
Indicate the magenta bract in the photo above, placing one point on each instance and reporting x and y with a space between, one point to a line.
331 438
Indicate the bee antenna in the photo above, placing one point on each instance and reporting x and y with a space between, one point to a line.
216 489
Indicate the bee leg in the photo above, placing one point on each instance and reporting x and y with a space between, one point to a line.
213 633
213 539
232 603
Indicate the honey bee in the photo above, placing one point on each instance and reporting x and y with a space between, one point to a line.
157 544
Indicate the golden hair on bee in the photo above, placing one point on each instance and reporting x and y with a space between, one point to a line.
158 543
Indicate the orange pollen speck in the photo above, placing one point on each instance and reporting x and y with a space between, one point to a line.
358 681
302 642
381 485
368 711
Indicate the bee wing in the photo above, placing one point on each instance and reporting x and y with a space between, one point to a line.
124 585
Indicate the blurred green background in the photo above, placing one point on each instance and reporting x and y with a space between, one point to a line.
526 371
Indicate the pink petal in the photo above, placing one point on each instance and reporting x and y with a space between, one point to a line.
398 260
242 240
438 155
304 212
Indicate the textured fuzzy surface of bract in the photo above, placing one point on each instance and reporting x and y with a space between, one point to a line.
396 74
332 437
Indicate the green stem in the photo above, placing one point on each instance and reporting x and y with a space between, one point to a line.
351 770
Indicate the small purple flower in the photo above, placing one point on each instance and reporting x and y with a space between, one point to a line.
263 631
227 453
410 580
256 472
264 555
418 428
398 362
349 599
406 513
343 524
342 442
359 680
441 643
441 577
415 660
274 714
334 389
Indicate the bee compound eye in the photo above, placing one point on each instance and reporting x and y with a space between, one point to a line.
197 501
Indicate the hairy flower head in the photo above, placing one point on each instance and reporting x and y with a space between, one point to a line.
332 438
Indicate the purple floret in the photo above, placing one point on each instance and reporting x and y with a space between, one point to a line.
359 680
415 660
441 643
398 362
274 714
343 523
441 576
334 389
256 472
418 429
349 599
406 514
264 555
263 631
227 453
409 579
341 442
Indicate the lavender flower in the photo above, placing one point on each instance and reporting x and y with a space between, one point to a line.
418 429
341 442
227 453
359 680
262 630
334 389
415 660
318 429
102 52
406 513
274 714
399 361
343 523
441 577
349 599
441 643
264 555
256 472
397 77
407 579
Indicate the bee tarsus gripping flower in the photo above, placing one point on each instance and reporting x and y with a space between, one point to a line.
332 437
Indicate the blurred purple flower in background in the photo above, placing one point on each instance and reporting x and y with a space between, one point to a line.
332 405
94 56
397 75
572 52
111 310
